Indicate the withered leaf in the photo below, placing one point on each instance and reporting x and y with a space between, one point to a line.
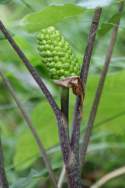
73 82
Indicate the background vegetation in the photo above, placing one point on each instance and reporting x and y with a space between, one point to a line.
24 18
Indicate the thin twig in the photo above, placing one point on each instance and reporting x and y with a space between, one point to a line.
83 75
108 177
31 127
3 178
99 90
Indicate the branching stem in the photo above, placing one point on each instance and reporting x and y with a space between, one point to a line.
99 90
83 75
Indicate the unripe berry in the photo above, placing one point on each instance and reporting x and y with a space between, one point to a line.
57 54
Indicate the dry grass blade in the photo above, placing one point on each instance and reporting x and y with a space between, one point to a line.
108 177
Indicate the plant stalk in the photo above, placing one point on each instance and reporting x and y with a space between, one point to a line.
99 90
3 178
65 105
83 76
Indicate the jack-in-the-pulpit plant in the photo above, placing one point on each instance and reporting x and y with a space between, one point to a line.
56 54
64 69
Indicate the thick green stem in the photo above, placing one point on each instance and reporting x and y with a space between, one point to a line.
65 105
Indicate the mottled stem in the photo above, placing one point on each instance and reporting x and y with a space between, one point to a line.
99 90
83 75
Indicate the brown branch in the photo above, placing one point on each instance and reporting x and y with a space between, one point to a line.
83 76
3 178
99 90
31 127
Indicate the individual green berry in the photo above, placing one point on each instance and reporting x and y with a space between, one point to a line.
57 54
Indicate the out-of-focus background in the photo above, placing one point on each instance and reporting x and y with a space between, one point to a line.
107 148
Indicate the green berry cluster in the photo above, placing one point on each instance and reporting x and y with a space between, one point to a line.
57 54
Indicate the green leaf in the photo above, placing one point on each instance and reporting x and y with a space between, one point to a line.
29 181
4 1
111 105
2 37
45 124
49 16
106 27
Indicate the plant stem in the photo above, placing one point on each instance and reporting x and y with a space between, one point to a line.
31 127
65 111
3 178
83 75
99 90
65 105
68 155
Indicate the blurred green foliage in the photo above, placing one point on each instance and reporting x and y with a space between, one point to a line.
73 18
